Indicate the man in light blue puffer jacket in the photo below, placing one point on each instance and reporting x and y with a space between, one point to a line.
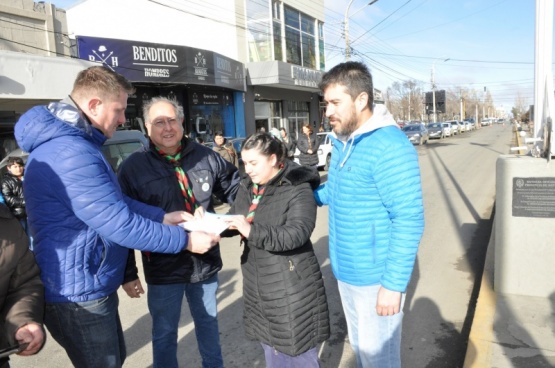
81 222
376 215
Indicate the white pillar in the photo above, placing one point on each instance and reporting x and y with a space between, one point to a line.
543 75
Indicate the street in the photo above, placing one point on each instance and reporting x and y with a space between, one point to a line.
458 177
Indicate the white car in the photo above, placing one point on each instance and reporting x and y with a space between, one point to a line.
446 129
324 150
455 127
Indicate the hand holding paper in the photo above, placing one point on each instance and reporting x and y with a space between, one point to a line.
210 223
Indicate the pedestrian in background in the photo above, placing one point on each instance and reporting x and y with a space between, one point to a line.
376 215
21 291
12 190
178 174
285 306
308 146
290 144
83 225
225 149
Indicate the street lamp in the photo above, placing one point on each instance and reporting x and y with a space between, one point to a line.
434 85
347 45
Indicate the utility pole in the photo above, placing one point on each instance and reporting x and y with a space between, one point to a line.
346 29
462 117
433 92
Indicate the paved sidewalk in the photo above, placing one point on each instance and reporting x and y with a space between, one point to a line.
510 330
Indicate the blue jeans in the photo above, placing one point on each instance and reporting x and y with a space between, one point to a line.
90 332
376 340
164 304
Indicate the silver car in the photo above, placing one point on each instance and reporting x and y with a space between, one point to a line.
416 133
435 131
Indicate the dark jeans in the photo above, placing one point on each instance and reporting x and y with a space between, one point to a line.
90 332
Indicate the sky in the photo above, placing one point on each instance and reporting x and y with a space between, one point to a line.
488 43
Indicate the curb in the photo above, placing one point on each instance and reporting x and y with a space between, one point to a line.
481 337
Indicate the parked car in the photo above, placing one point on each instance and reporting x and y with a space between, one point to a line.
416 133
324 150
446 129
471 122
116 149
435 131
467 126
455 127
122 144
486 121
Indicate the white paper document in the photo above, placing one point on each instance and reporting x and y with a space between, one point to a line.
211 223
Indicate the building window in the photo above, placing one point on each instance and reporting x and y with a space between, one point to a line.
259 31
298 116
278 54
321 46
300 38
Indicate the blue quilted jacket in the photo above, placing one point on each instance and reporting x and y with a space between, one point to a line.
376 215
76 210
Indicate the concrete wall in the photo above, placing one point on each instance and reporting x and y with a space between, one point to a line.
524 246
206 24
33 28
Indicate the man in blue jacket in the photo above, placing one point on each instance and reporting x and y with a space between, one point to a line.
82 224
376 215
177 173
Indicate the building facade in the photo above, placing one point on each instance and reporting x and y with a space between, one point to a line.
279 43
35 63
236 65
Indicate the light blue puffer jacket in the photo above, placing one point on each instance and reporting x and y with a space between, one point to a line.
376 215
76 210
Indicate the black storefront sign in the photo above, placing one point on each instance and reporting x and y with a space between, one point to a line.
160 63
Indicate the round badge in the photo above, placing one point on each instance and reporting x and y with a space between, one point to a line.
205 187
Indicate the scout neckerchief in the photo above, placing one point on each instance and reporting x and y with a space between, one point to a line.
190 202
257 196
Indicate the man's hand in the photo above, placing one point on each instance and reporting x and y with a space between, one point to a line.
32 334
199 213
177 217
201 242
388 303
133 288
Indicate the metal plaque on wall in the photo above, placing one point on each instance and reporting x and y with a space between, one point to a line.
534 197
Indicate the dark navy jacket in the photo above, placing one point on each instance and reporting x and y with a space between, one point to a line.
148 177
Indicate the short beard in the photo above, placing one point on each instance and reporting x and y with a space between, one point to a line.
349 127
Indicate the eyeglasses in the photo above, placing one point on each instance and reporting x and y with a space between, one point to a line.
160 123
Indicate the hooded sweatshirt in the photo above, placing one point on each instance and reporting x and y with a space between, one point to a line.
376 214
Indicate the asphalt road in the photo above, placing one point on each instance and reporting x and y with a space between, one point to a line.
458 176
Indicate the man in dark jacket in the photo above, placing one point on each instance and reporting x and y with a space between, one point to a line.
22 293
176 173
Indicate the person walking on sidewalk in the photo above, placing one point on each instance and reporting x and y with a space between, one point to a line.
376 215
177 174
